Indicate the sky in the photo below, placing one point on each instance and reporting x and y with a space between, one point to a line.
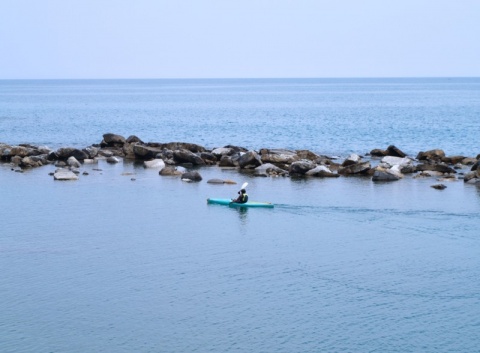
82 39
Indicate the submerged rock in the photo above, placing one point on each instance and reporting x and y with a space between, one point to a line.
64 174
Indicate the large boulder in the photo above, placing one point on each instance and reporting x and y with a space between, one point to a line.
306 154
278 156
395 152
352 159
192 147
301 167
113 140
30 162
208 158
222 151
405 164
357 168
73 162
228 161
67 152
382 174
133 139
186 156
20 151
145 152
453 159
377 152
432 155
442 168
191 176
249 160
91 151
321 171
269 169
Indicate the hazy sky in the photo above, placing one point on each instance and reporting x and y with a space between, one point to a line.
244 38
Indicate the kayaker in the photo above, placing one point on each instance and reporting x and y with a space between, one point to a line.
242 197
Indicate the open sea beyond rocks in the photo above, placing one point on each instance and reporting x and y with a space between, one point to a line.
125 260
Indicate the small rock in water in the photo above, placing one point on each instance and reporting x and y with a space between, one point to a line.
439 186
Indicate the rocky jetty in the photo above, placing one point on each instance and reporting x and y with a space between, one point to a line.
178 158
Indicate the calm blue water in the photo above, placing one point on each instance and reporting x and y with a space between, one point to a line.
331 116
110 264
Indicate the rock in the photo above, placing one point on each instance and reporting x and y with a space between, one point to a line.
91 152
279 156
64 174
133 139
154 164
145 152
470 176
382 174
469 161
16 160
18 151
352 159
428 174
208 158
226 161
194 148
358 168
306 154
301 167
67 152
104 153
322 172
395 152
186 156
170 171
215 181
89 161
378 152
436 168
113 160
433 155
113 140
249 160
29 162
439 186
269 169
452 159
405 164
191 176
73 162
222 151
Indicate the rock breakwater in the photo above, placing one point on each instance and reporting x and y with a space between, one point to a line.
176 158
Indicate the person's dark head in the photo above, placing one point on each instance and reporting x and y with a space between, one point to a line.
243 191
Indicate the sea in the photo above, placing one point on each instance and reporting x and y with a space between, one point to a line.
126 260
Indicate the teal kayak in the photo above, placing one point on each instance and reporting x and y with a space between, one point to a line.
228 202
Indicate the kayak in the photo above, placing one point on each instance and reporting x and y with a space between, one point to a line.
228 202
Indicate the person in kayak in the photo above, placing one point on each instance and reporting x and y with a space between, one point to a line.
242 197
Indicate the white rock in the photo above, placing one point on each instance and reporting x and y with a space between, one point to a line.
154 164
73 162
64 174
